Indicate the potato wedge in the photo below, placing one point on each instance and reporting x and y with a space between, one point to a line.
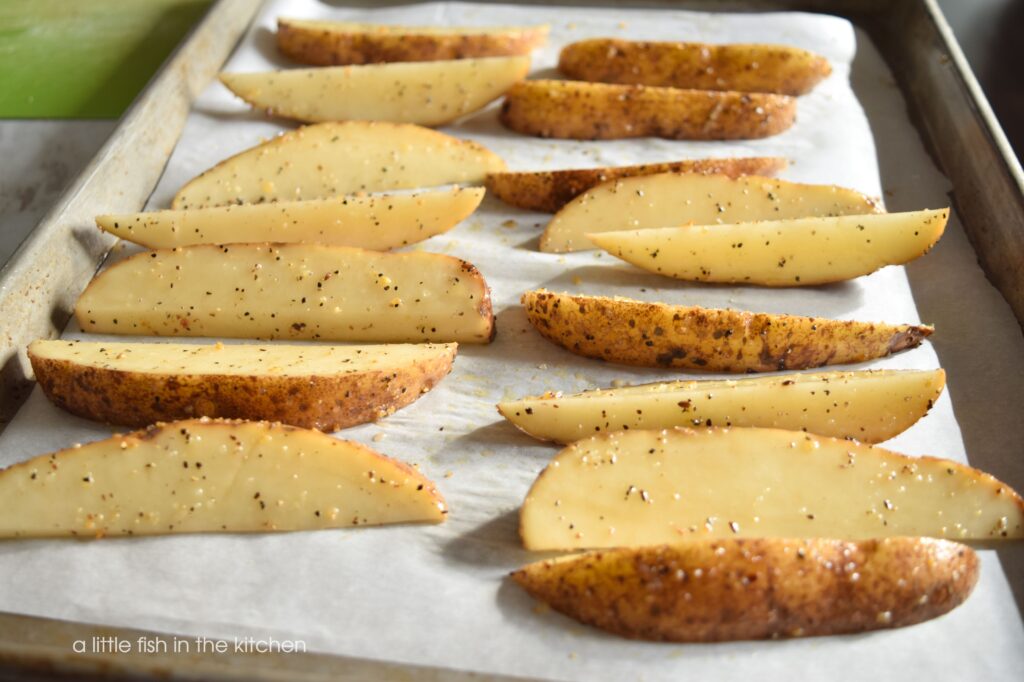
597 111
745 68
780 253
674 199
549 191
316 387
211 476
337 43
379 222
426 93
632 488
870 406
717 340
333 159
735 589
291 291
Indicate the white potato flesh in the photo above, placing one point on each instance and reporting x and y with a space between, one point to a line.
780 253
870 406
247 360
333 159
675 199
346 27
207 476
632 488
381 222
290 291
426 93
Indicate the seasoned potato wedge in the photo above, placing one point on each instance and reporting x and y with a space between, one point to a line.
632 488
736 589
673 199
211 476
319 387
427 93
290 291
717 340
380 222
597 111
780 253
869 406
316 162
744 68
549 191
337 43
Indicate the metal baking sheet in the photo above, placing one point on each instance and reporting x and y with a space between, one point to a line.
933 287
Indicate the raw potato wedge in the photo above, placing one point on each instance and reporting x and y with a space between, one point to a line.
426 93
596 111
379 222
632 488
549 191
312 386
290 291
337 43
211 476
741 67
870 406
674 199
717 340
780 253
734 589
332 159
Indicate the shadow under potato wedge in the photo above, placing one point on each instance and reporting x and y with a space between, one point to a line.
577 110
776 69
740 589
311 386
315 162
867 405
211 476
375 221
549 191
291 291
338 43
634 332
641 487
780 253
424 93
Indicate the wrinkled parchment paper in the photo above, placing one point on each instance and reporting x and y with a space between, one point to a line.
437 595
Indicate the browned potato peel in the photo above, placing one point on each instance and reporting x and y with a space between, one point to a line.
741 67
738 589
549 191
598 111
327 43
720 340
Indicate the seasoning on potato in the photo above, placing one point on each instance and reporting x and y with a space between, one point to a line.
211 476
739 589
598 111
312 386
777 69
548 191
338 43
716 340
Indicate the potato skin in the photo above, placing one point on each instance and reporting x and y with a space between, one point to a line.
318 46
548 191
717 340
741 589
745 68
325 403
598 111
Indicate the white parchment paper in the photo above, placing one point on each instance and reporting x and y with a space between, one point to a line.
438 595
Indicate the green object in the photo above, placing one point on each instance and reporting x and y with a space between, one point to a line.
85 58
